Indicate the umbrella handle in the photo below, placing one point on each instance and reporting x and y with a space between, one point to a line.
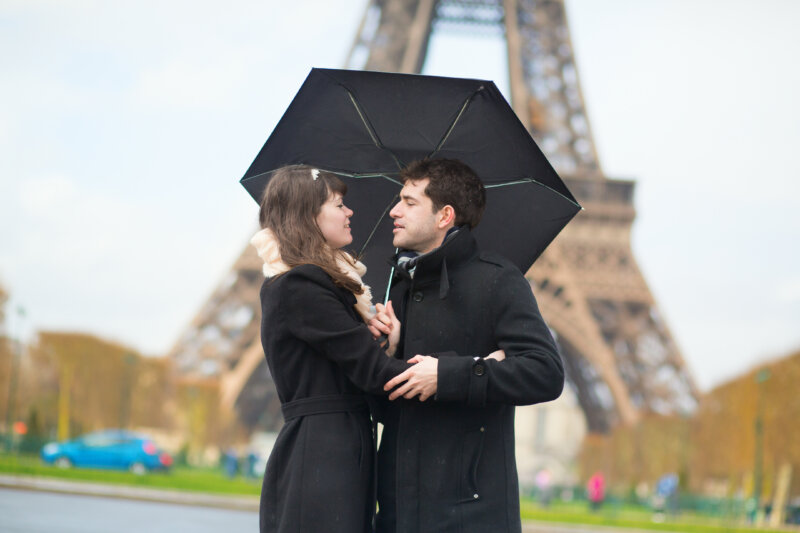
389 285
384 337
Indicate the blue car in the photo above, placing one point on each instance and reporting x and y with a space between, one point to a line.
113 449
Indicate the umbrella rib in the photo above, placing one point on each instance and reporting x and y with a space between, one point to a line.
360 176
370 130
338 173
375 227
453 125
540 184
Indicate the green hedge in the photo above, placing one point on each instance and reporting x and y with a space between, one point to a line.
179 478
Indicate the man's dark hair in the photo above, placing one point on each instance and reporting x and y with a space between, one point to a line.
451 183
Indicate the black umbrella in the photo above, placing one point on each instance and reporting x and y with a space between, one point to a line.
366 126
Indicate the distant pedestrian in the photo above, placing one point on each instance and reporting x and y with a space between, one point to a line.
595 490
230 463
543 486
665 497
252 461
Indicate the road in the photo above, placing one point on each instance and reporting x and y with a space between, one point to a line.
24 511
32 505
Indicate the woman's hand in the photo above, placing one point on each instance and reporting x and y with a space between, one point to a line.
420 379
385 322
498 355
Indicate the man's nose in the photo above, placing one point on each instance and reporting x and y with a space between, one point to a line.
395 212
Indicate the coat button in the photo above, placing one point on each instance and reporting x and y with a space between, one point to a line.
418 296
478 370
475 496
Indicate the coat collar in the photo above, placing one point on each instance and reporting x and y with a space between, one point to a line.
266 245
434 266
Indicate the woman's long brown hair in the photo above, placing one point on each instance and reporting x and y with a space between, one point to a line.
289 207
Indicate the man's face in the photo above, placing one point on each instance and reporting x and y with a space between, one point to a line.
416 225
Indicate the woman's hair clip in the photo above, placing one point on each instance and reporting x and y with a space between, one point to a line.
314 173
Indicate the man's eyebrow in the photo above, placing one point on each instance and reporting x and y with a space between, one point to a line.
407 197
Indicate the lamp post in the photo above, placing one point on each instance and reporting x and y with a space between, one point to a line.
127 378
65 378
16 350
758 468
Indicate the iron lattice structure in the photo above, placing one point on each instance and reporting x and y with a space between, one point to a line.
620 357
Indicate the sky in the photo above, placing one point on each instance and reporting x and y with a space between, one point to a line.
125 127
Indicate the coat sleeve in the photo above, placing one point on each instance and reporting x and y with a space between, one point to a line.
315 314
532 371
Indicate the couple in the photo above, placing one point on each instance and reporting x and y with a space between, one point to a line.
467 343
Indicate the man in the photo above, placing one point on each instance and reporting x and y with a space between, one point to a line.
448 465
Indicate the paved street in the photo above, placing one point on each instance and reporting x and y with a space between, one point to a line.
548 527
40 505
25 511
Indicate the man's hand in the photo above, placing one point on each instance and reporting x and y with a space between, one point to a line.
420 379
498 355
385 322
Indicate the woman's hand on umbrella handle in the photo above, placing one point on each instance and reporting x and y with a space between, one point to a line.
385 325
497 355
394 335
380 325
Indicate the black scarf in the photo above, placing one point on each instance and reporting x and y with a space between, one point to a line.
408 259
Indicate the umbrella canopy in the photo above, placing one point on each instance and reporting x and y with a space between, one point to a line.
366 126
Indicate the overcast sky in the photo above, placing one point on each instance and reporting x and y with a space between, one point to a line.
125 126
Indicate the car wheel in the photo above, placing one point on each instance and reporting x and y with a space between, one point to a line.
63 462
138 468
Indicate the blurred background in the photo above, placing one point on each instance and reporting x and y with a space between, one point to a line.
127 290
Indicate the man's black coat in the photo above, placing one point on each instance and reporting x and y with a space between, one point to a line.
448 465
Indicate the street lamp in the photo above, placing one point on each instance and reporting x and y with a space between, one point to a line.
758 469
16 350
125 393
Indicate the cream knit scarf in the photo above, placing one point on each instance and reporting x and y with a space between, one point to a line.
266 245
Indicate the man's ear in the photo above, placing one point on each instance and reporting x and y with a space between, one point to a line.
446 217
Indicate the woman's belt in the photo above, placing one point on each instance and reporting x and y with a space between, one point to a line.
320 405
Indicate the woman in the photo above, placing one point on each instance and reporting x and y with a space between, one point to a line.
320 474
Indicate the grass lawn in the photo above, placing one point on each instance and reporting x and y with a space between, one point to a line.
179 478
213 481
624 515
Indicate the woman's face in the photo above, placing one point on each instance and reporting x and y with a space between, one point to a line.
334 222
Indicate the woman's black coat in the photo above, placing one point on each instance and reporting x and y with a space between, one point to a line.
448 465
320 474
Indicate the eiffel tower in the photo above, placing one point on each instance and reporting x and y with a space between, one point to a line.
620 357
